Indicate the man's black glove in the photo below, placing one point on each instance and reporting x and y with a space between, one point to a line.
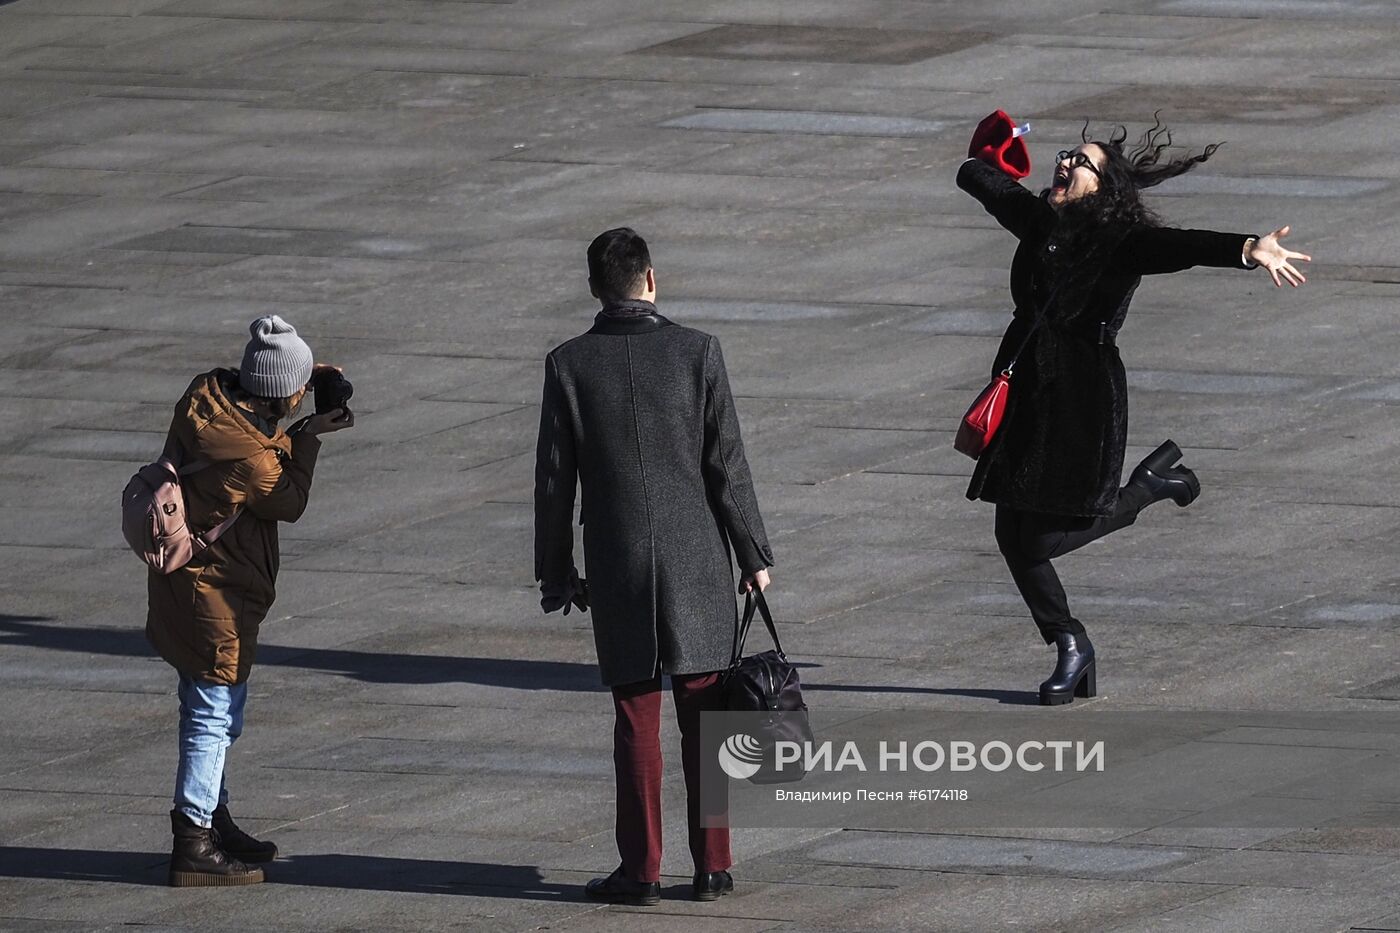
573 592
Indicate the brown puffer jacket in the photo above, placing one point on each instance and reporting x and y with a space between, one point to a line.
203 618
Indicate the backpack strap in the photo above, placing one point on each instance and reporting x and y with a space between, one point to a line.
206 540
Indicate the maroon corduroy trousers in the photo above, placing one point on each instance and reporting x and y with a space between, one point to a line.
637 757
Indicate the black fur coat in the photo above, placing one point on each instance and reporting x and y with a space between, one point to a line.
1060 446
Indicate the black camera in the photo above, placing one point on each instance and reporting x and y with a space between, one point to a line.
332 390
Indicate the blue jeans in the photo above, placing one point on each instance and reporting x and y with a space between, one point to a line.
211 719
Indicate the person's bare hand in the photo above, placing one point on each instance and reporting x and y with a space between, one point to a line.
1268 252
329 422
757 579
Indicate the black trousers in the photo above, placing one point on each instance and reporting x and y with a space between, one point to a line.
1030 540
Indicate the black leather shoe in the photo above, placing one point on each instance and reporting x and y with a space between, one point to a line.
710 885
1074 671
236 842
619 889
1159 476
196 861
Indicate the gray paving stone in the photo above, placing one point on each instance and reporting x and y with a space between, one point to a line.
787 121
95 222
125 152
998 856
414 188
809 43
1201 837
1372 841
640 921
1387 689
297 158
265 241
1211 383
948 903
86 119
154 54
1281 869
28 924
1330 100
1389 923
63 181
1277 186
431 756
1261 909
1367 8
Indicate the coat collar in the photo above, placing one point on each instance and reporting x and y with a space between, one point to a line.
633 316
209 427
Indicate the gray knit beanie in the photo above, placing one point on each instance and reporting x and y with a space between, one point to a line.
277 363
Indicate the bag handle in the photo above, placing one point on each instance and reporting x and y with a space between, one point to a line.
754 599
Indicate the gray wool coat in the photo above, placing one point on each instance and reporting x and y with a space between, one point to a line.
638 411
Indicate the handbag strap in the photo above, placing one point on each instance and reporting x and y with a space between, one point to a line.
1039 319
754 600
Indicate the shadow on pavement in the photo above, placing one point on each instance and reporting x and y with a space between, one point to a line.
353 872
389 668
370 666
1012 697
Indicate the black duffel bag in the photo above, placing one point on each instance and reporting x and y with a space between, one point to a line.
768 684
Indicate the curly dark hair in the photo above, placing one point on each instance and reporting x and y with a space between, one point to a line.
1124 174
1088 224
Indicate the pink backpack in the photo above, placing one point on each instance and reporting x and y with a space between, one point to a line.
153 516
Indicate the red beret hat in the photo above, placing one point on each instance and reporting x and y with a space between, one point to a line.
998 143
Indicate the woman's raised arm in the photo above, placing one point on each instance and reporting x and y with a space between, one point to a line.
1013 206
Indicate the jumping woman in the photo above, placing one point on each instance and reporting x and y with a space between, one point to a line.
1053 467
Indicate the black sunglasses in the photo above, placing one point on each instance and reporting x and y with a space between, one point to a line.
1077 160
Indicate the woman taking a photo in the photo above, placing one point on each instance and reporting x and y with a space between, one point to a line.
203 618
1053 466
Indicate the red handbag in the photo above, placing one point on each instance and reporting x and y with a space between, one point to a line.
980 423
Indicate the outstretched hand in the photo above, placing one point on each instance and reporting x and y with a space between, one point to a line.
1268 252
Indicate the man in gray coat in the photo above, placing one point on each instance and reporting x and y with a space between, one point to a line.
638 412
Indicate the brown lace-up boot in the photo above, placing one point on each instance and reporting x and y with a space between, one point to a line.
197 861
237 843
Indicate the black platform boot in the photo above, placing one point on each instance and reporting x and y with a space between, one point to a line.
236 842
1074 671
1159 477
196 861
